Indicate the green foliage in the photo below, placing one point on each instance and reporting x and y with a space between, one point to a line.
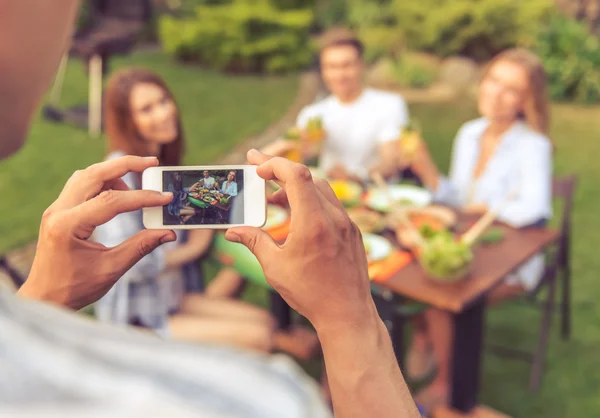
331 13
244 36
571 58
411 71
478 28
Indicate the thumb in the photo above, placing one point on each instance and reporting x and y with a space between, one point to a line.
126 254
255 239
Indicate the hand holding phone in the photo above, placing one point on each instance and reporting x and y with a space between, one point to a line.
206 197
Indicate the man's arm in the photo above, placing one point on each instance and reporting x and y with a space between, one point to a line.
321 271
33 36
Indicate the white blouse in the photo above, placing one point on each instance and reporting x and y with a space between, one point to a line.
521 164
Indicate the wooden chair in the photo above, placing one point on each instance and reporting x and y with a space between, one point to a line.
543 297
112 29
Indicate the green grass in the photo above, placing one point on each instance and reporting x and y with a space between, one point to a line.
572 380
218 112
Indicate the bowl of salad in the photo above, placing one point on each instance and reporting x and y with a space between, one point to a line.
445 259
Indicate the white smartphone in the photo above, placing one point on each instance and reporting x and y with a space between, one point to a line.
206 197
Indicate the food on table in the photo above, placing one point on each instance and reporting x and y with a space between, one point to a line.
208 198
366 220
493 236
346 191
224 200
404 202
276 216
402 195
428 220
445 258
314 129
376 247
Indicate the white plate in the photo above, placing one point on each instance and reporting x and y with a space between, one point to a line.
380 248
276 216
214 191
378 200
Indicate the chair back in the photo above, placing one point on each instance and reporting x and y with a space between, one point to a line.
563 188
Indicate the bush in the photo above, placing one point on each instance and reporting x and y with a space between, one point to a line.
477 28
571 58
244 36
415 71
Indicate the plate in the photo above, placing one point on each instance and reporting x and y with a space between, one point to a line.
410 196
378 248
276 216
214 191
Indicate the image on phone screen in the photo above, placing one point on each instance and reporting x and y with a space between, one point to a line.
206 197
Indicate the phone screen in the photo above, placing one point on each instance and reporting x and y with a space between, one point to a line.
205 197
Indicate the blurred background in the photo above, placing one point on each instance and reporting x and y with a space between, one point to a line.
240 69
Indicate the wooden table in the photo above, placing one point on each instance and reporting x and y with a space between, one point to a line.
466 301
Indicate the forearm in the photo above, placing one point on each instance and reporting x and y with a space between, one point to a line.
362 370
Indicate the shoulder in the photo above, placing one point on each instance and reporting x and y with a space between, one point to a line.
473 127
315 109
531 141
386 98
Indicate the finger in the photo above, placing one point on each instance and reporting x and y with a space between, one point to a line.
125 255
256 240
296 180
110 203
85 184
327 192
116 184
279 198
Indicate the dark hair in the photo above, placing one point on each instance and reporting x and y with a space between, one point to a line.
121 131
341 37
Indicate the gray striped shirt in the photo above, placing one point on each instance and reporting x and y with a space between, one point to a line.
56 363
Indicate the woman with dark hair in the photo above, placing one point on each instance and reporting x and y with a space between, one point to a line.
142 119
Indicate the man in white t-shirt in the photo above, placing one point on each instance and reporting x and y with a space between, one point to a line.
360 123
208 182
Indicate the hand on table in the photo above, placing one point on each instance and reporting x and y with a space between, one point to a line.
70 270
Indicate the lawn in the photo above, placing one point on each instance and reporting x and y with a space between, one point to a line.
572 380
218 112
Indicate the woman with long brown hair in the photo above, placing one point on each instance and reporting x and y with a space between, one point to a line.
504 153
142 119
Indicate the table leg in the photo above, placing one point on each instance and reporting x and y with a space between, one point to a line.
281 311
466 358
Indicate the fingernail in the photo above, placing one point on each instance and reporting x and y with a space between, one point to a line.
254 151
168 238
233 237
167 194
151 159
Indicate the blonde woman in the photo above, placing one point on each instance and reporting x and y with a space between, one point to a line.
505 152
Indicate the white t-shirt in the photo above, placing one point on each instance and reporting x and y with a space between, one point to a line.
356 130
208 182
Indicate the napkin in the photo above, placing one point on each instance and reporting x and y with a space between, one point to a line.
380 271
280 232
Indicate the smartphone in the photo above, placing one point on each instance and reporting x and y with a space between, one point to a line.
206 197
